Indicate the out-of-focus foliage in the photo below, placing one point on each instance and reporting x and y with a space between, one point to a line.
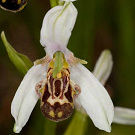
20 61
101 24
78 125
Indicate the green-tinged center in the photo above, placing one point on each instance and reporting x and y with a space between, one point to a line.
58 63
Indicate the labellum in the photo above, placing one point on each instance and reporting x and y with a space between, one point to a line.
57 92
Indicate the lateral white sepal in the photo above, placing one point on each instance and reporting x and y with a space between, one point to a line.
25 98
93 97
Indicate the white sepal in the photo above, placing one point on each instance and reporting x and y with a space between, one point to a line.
26 97
93 97
124 116
57 26
103 66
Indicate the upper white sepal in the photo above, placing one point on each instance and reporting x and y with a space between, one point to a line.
57 26
93 97
26 97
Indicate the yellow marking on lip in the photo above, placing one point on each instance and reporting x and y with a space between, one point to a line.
3 1
59 75
19 2
60 114
65 65
42 90
42 103
51 113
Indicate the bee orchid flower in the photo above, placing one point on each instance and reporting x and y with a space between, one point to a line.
59 78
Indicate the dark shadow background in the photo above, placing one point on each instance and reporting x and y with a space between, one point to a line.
101 24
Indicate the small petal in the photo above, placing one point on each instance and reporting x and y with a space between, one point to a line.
103 66
26 97
93 97
124 116
57 26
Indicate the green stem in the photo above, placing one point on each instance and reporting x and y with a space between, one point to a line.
78 124
56 3
49 127
53 3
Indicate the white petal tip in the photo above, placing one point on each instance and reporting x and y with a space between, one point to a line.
106 128
17 128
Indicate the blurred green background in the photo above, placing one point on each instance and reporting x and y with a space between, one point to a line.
101 24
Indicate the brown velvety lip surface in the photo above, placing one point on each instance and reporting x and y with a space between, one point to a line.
66 109
12 5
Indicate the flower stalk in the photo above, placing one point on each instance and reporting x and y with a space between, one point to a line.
78 124
54 3
50 127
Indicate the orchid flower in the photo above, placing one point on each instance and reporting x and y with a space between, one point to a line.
59 79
